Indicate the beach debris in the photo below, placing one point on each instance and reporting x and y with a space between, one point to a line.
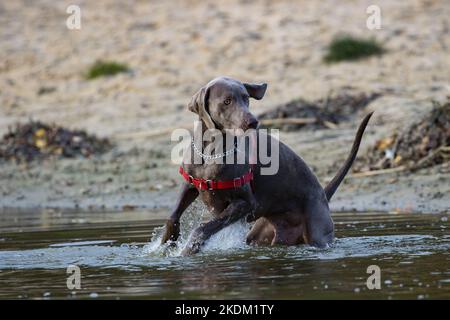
36 140
323 113
423 144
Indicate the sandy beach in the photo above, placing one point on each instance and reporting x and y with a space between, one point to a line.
175 47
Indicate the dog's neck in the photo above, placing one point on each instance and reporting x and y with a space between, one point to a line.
220 141
224 145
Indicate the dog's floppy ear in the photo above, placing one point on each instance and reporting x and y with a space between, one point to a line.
256 91
198 105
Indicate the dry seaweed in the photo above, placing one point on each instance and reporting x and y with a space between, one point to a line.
423 144
36 141
323 112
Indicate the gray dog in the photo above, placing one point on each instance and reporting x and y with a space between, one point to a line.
289 207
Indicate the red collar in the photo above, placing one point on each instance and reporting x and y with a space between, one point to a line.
202 184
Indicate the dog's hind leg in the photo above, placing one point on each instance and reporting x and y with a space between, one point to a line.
319 225
172 229
289 235
232 213
262 232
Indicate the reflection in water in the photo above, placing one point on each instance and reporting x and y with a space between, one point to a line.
118 261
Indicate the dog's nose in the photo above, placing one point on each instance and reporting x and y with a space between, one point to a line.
252 124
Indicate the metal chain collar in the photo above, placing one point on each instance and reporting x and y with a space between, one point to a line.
214 156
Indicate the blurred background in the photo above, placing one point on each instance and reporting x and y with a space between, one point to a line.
128 73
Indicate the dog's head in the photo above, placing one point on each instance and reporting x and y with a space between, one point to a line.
224 104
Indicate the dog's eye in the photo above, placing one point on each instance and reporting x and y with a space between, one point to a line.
227 101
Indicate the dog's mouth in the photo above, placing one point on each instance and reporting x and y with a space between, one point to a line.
253 124
243 128
243 131
250 124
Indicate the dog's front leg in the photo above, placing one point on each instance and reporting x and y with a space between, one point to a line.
172 229
235 211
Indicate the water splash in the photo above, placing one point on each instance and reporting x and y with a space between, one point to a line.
228 238
231 237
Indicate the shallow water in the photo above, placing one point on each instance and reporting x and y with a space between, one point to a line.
118 259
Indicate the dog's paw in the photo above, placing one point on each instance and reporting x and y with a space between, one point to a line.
191 249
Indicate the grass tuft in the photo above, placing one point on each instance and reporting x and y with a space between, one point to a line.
106 68
348 48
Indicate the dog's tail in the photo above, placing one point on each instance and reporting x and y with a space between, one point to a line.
330 189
